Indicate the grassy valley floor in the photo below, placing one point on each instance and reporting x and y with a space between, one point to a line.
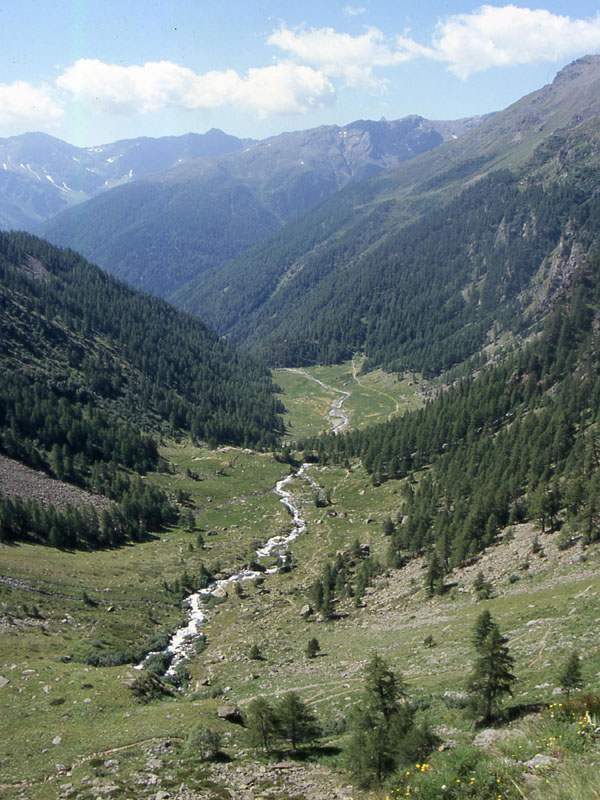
74 730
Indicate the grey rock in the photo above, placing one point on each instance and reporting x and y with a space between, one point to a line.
450 744
489 737
540 760
530 780
230 714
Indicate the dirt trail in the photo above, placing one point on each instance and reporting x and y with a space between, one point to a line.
379 391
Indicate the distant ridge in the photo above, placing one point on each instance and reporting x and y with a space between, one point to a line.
41 175
162 231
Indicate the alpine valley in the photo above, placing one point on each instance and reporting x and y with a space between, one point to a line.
316 514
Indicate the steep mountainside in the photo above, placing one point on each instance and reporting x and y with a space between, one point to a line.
88 362
41 175
519 441
161 232
423 266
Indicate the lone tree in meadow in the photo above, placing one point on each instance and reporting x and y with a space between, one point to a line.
296 724
380 724
491 677
203 743
312 648
570 676
261 724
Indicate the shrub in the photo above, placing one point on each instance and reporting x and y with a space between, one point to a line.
180 676
332 726
564 540
158 663
110 658
203 743
254 653
157 642
147 687
312 648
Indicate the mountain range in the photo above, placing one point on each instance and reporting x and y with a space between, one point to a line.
428 263
41 175
159 232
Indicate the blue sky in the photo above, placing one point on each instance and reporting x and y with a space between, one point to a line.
91 72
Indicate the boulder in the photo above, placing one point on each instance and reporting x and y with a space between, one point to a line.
306 611
230 714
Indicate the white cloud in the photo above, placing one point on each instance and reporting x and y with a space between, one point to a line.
284 88
490 36
354 12
24 104
341 54
281 88
503 36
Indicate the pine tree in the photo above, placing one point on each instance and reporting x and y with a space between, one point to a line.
491 677
434 578
380 723
312 648
483 625
254 653
570 676
261 724
295 722
382 689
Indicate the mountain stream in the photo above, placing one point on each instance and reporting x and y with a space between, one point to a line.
182 640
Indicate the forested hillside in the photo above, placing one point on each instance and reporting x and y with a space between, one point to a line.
426 265
87 362
517 442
